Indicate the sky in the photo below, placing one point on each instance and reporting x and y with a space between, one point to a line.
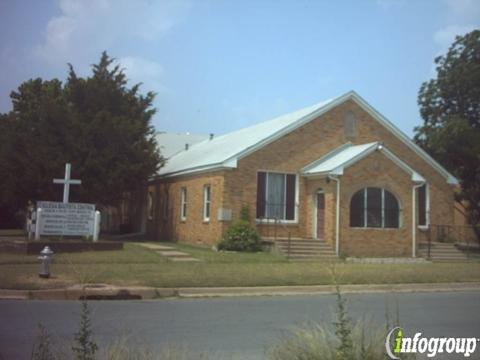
217 66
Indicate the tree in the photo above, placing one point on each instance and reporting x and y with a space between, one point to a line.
96 123
450 108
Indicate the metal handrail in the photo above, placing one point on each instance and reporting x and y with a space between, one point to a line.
275 221
459 235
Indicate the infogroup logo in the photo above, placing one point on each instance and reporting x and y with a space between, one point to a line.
396 343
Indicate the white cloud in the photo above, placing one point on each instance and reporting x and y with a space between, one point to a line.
445 37
86 27
462 16
147 72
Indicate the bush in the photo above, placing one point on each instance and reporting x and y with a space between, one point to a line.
241 236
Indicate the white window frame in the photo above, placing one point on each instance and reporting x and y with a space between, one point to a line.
296 202
183 204
207 202
427 208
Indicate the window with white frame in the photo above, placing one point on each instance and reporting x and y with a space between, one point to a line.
374 208
423 206
183 209
276 194
206 202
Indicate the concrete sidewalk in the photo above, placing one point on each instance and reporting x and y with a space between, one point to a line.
109 292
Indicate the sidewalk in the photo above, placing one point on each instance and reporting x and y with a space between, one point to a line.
108 292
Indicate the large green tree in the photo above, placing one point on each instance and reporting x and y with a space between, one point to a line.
450 108
97 123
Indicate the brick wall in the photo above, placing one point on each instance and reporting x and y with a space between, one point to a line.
167 224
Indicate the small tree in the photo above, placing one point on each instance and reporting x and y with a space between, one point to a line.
84 347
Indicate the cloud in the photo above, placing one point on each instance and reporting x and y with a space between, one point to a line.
462 16
86 27
445 37
147 72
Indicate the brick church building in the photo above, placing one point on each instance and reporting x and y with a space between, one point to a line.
337 172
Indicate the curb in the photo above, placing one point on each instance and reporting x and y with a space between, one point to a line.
108 292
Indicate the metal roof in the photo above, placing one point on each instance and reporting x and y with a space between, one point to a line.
171 143
335 162
209 154
223 152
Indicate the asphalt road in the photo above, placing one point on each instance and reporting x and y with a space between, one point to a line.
230 328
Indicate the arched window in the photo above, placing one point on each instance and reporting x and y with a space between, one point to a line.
375 208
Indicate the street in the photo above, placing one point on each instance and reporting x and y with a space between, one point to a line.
238 328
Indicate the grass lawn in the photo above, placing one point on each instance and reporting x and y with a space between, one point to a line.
136 265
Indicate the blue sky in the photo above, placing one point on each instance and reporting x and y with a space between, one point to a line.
221 65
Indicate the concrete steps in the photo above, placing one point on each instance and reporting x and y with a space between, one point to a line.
300 249
442 252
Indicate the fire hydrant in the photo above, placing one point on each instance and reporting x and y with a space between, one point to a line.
46 259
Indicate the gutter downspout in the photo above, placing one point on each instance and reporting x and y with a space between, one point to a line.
337 217
414 218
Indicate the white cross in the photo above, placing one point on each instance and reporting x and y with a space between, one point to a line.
67 182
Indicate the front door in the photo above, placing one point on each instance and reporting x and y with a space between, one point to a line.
320 215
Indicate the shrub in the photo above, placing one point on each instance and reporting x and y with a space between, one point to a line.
245 213
241 236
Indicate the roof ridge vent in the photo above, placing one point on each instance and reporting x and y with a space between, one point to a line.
211 136
186 146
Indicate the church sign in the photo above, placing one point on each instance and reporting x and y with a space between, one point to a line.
66 218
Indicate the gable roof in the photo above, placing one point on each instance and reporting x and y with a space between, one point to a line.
171 144
335 162
223 152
